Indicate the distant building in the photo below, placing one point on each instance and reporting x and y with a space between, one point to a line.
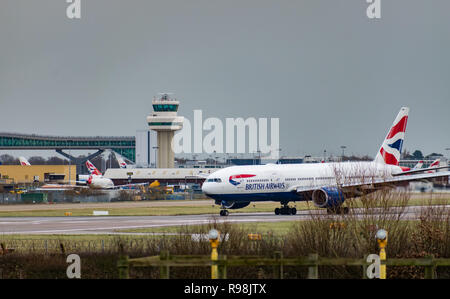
290 160
146 149
244 161
38 173
162 175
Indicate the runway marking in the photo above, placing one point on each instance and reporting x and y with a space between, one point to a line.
205 221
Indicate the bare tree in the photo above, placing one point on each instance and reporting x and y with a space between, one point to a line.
36 160
9 160
56 161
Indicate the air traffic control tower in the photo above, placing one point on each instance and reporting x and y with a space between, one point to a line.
165 121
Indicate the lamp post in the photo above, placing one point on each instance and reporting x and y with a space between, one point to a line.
70 175
448 159
214 241
381 237
343 147
156 149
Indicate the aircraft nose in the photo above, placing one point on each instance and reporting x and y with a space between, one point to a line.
206 188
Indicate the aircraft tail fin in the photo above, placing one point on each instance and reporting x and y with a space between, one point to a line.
419 165
122 163
391 148
92 169
24 161
434 164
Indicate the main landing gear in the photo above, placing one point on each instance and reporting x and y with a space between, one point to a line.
223 212
285 210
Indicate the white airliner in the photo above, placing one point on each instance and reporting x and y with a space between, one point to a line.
328 185
97 181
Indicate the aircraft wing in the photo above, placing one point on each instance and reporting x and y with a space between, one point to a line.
419 170
128 186
61 188
353 189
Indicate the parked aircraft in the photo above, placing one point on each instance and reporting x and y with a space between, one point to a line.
97 181
327 185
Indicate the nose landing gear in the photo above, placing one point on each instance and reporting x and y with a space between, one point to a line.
285 210
223 212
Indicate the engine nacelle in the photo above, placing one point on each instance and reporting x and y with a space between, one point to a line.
232 205
330 197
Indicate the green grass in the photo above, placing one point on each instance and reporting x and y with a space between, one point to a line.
58 237
149 211
275 228
71 243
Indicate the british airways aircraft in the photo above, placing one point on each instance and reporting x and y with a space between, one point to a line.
328 185
97 181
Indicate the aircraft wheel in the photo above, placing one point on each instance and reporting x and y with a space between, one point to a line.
345 210
293 211
277 211
223 213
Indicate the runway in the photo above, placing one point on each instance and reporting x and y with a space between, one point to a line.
112 224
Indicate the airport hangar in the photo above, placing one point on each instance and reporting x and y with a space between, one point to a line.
19 174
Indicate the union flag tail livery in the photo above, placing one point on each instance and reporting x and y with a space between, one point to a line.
24 161
92 169
435 164
122 163
391 148
419 165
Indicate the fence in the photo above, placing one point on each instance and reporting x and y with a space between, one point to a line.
164 261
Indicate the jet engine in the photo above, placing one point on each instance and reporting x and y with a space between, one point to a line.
329 197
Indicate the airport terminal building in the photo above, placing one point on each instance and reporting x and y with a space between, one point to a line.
166 176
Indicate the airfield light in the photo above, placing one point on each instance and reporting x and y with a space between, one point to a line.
381 234
214 241
382 242
213 234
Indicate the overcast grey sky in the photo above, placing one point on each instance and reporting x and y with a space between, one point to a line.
330 74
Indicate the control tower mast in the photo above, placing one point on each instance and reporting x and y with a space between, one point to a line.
165 121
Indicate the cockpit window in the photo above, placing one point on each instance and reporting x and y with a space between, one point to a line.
214 180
